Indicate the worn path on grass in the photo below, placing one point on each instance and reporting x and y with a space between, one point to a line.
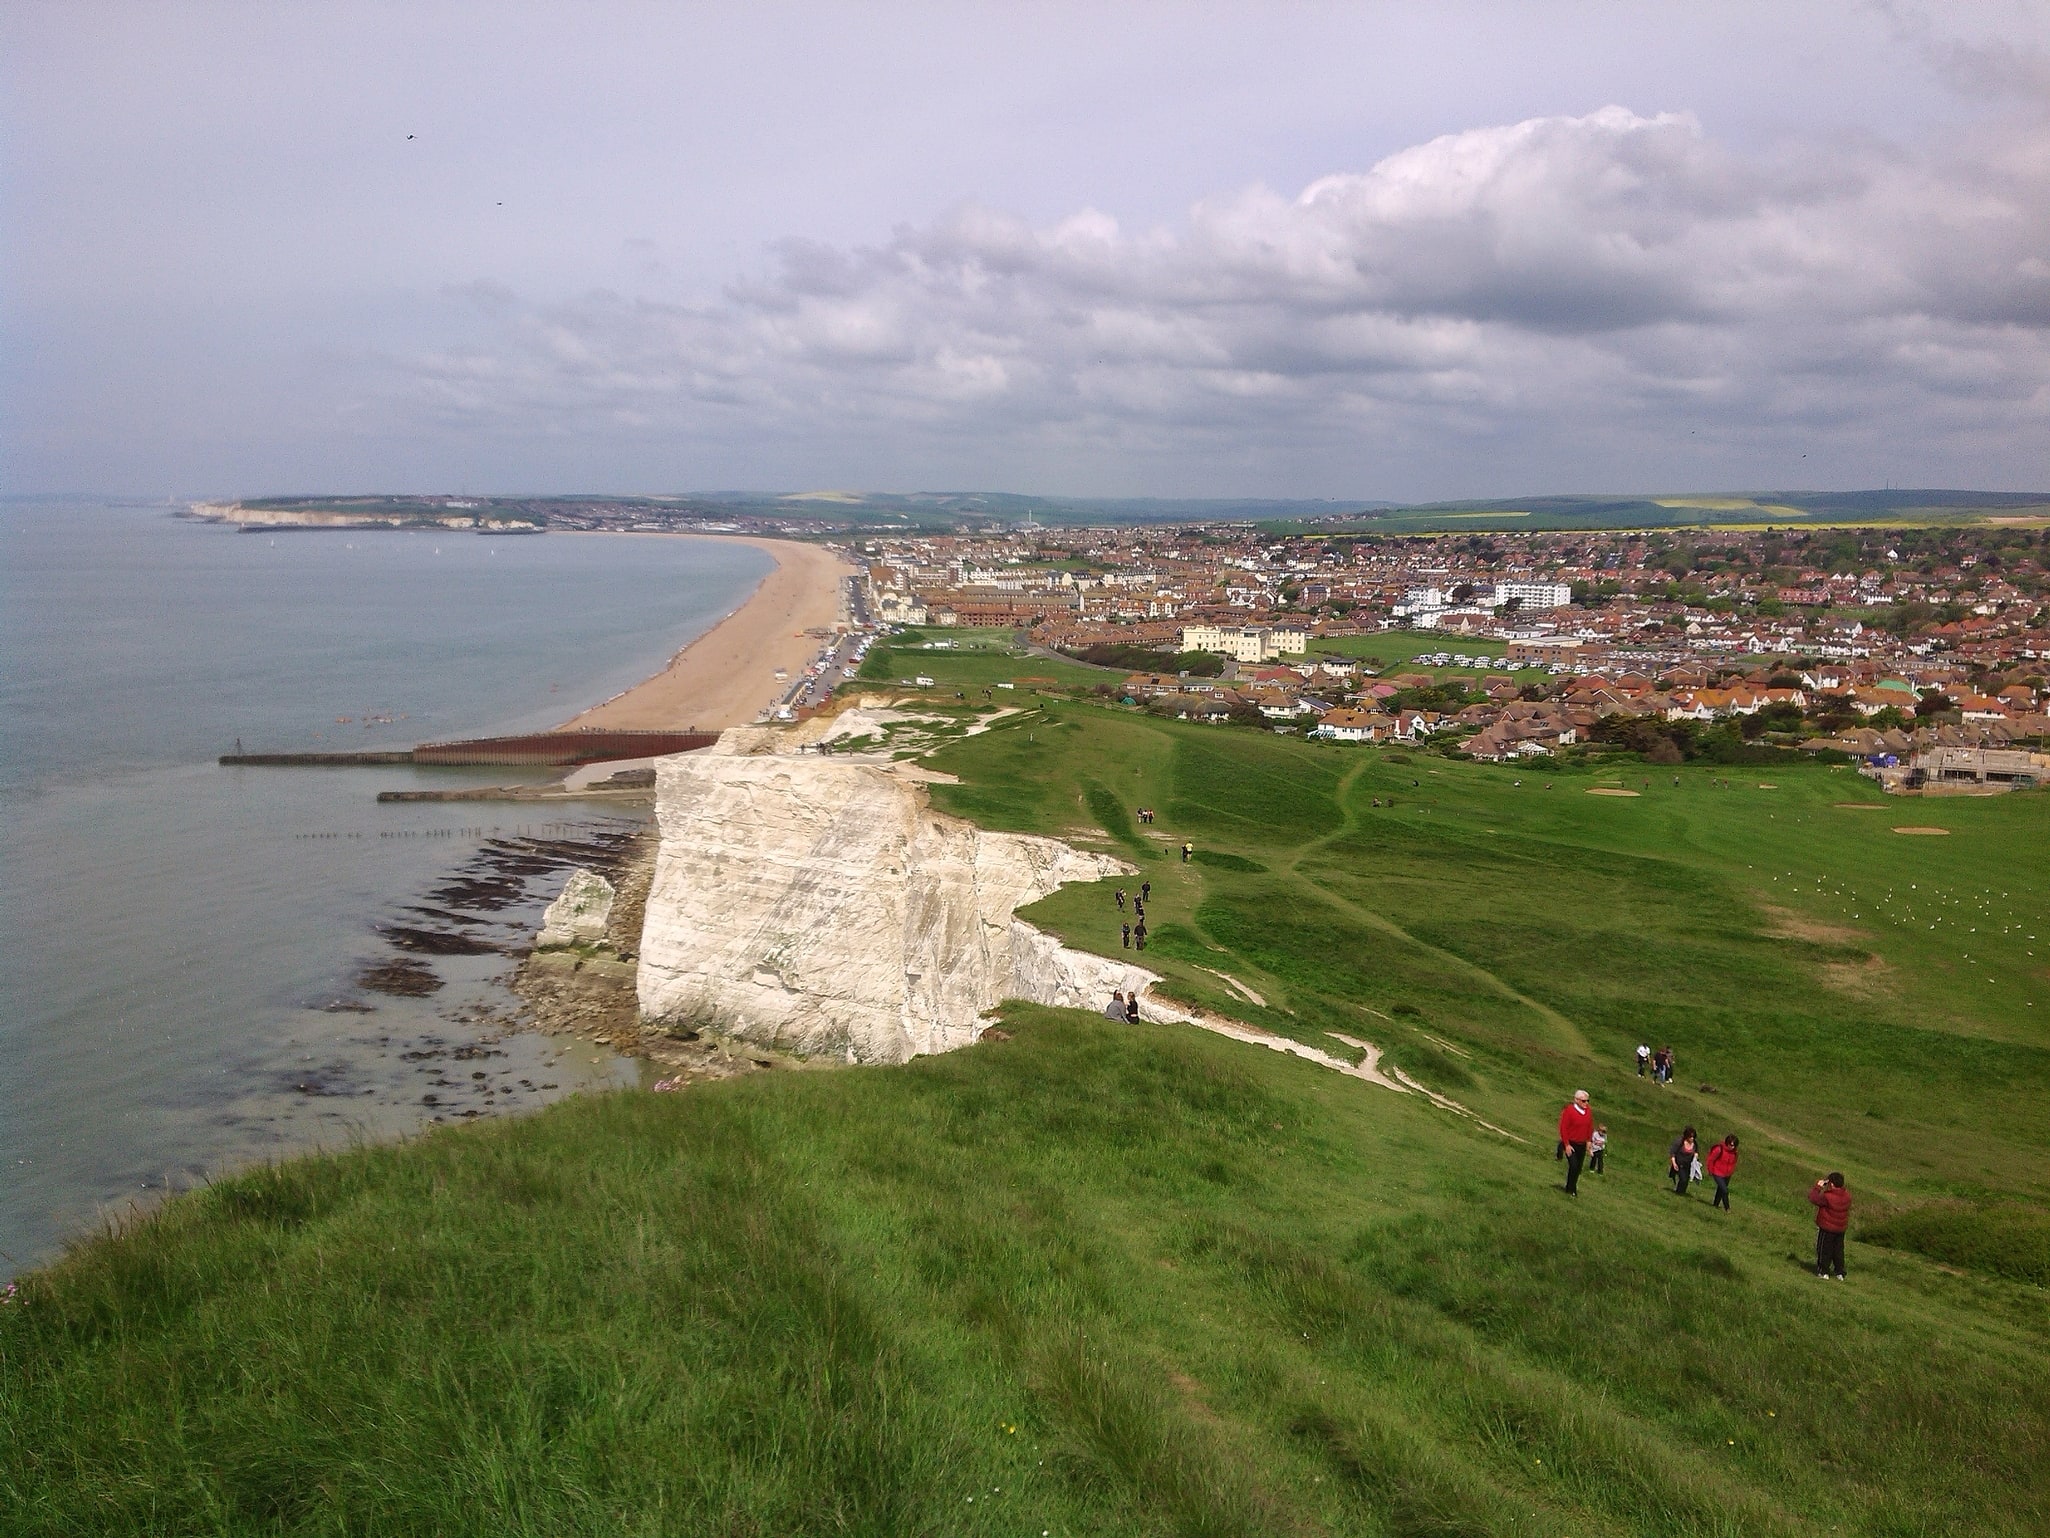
1565 1032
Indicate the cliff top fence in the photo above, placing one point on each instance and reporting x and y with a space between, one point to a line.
545 749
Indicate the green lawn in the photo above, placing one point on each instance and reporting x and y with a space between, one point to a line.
955 638
1395 648
1098 1279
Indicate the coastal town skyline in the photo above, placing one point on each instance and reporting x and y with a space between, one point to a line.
1369 251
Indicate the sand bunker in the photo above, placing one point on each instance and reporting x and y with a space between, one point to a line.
1603 791
1789 925
1926 832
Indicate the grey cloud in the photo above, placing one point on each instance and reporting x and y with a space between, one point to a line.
1537 275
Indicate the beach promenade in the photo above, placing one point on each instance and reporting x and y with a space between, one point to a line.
727 676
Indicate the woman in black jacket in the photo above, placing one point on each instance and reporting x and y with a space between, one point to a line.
1680 1161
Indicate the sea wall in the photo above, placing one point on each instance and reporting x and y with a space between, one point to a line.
820 905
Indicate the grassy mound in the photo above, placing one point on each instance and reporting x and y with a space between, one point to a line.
2000 1238
1090 1279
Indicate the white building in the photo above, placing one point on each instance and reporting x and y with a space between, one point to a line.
1248 643
1532 595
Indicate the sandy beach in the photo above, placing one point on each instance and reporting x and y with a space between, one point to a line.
727 676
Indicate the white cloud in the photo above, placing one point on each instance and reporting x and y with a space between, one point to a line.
1614 281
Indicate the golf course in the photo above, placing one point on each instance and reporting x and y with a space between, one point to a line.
1096 1278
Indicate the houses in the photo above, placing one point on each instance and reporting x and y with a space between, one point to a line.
1351 725
1662 616
1525 738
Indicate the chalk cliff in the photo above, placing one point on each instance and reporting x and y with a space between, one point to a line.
820 905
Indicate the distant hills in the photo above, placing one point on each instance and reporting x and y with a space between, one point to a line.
946 511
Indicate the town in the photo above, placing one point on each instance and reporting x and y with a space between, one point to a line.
1921 652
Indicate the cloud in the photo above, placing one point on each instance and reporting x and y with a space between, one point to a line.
1611 281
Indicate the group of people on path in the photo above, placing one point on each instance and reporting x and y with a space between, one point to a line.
1135 932
1583 1141
1144 813
1686 1164
1660 1063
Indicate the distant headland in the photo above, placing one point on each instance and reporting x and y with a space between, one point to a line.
815 514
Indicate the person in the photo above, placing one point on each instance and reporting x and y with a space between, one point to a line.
1132 1008
1145 890
1139 934
1121 899
1187 850
1115 1009
1597 1145
1138 910
1680 1161
1832 1203
1721 1164
1576 1127
1643 1058
1128 936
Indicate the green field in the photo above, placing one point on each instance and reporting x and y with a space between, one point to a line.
1395 648
1098 1279
976 661
1782 509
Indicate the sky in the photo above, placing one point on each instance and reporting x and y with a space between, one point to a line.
1365 251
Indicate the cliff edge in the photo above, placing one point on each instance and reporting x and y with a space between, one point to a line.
821 906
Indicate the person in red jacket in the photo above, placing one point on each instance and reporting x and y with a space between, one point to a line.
1721 1164
1832 1204
1576 1126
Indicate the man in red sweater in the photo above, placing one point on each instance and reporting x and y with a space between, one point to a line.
1576 1126
1832 1202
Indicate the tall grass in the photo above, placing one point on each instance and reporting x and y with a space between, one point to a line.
1097 1279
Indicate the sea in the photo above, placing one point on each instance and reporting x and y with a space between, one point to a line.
182 990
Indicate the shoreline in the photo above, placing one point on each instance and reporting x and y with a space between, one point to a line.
727 676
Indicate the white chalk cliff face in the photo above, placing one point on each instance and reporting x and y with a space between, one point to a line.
821 906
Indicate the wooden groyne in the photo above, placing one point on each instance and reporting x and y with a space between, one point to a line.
542 749
317 760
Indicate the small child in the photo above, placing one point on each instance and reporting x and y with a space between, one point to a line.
1595 1145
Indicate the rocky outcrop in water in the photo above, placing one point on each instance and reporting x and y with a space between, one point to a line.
579 915
820 905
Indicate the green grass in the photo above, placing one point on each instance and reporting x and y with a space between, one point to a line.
1214 1289
916 638
975 668
1393 649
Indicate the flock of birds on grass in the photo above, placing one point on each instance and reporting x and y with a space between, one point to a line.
1901 910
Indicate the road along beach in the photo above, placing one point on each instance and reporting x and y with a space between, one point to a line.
727 676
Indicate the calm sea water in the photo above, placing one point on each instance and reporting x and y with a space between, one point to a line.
184 941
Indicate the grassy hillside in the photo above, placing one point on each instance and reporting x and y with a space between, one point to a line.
1799 509
1099 1279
